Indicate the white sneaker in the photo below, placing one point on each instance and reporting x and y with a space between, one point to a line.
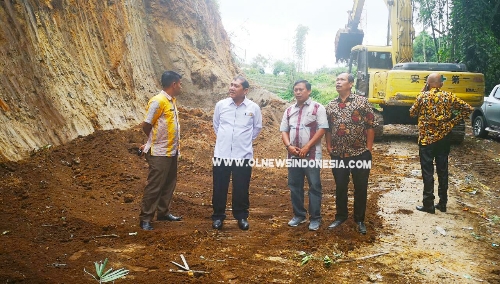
296 221
314 225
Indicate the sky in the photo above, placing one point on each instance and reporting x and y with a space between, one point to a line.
267 27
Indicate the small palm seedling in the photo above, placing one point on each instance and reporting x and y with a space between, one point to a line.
306 259
109 275
327 261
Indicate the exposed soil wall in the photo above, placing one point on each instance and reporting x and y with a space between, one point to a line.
71 67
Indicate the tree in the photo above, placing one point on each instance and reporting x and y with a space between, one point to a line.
299 45
260 63
466 31
476 34
423 48
434 14
287 68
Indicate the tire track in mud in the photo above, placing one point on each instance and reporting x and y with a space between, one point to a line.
431 247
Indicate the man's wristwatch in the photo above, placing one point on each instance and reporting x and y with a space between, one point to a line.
288 146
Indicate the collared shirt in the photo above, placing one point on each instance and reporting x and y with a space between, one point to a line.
348 122
302 123
162 114
236 127
438 112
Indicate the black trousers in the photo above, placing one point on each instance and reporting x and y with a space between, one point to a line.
360 180
240 194
437 151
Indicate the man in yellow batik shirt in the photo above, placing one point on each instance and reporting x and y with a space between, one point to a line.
438 112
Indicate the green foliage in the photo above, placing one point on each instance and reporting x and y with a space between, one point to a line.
332 71
108 276
306 259
477 37
287 95
466 31
274 84
325 96
282 67
495 219
284 76
327 261
260 63
424 42
435 14
322 87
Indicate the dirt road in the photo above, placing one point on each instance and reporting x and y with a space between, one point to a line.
69 206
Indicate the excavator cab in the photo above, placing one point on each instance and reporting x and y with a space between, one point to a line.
365 60
379 60
358 63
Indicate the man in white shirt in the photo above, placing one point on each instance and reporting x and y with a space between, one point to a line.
237 122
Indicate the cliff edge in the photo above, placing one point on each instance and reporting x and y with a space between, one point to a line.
71 67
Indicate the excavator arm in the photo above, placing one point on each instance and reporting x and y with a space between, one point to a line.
351 35
401 27
402 31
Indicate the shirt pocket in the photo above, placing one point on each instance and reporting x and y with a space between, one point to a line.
310 120
245 119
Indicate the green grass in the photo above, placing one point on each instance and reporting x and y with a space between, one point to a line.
323 85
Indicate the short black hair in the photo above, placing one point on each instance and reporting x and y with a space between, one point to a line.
168 77
243 80
308 85
350 78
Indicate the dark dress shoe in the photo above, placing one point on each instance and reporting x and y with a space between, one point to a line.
169 217
243 224
217 224
335 224
361 227
426 209
440 207
146 226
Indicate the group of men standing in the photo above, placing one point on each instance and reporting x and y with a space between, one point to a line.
348 123
237 122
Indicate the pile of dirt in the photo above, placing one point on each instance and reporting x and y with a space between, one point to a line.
68 206
63 207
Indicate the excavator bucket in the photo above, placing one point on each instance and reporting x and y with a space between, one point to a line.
345 40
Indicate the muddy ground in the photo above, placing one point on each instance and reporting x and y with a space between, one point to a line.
66 207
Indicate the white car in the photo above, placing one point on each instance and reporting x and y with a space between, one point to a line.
486 119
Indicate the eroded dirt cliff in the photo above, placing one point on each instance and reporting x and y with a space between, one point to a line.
71 67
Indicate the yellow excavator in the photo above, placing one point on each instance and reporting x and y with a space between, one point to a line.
388 78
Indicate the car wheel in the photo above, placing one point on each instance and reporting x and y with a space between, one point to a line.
478 127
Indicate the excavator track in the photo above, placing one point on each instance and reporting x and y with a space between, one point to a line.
379 130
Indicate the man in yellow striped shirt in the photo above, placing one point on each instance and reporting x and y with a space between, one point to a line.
161 125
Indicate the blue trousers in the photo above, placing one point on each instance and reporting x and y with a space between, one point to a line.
296 183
